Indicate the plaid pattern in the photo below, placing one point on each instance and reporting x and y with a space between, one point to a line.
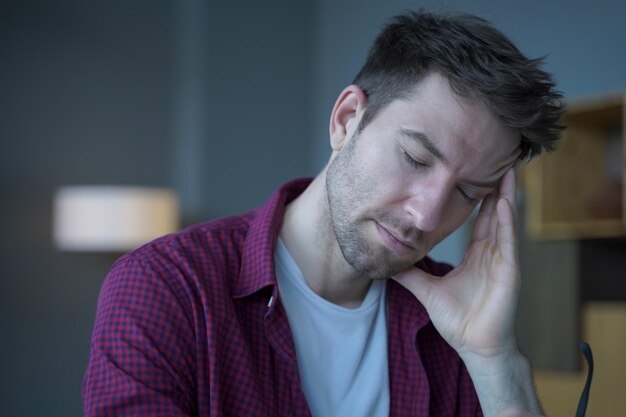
185 327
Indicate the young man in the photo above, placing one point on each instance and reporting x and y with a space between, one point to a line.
323 301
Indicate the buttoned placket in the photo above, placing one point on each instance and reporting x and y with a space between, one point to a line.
280 338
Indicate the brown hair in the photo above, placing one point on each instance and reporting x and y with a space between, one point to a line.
478 61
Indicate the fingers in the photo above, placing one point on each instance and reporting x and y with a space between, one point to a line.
486 225
506 236
508 187
416 281
483 226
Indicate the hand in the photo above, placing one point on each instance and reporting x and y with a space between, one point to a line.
473 306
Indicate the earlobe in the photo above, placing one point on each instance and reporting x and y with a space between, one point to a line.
346 115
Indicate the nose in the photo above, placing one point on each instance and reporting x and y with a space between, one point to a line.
426 206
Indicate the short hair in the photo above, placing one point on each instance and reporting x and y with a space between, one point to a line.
479 62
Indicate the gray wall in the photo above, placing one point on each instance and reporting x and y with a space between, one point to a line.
209 98
85 98
220 100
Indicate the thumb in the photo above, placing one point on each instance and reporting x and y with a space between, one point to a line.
418 282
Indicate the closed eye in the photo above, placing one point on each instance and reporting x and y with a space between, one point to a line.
415 163
467 197
421 165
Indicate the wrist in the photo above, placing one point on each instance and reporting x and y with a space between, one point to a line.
502 381
495 361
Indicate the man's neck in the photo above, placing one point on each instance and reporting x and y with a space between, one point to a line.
308 234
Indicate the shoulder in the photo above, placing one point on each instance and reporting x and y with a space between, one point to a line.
198 246
192 264
228 231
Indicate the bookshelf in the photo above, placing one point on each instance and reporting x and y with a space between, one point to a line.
578 192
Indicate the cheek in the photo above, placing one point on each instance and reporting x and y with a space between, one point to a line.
378 178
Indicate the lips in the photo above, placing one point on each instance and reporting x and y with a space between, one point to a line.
396 244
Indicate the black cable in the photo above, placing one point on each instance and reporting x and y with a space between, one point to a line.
584 397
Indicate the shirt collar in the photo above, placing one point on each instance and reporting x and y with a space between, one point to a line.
257 266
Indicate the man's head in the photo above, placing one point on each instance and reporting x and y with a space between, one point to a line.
478 61
435 118
413 174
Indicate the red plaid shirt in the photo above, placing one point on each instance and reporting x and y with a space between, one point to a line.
185 327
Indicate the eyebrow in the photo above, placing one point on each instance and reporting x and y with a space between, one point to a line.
426 143
432 148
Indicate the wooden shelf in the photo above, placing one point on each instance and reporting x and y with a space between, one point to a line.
604 330
579 192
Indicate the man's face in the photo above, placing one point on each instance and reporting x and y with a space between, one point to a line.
413 175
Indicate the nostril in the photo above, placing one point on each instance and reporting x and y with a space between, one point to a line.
426 214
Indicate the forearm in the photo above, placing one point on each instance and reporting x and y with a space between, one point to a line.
503 383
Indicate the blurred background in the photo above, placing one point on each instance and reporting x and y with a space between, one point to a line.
220 101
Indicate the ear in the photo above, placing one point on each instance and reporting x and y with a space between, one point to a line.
346 115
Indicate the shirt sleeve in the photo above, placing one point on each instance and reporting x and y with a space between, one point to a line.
141 358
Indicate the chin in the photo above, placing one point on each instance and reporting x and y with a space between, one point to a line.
383 266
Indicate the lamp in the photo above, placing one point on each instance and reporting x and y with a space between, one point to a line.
112 218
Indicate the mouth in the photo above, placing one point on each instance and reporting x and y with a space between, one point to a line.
399 246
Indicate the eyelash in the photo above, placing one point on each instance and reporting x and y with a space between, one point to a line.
467 197
418 164
412 161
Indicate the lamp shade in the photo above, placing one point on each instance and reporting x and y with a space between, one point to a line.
112 218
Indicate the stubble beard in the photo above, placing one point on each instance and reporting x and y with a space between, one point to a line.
347 190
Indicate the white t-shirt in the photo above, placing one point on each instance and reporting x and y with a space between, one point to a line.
342 352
